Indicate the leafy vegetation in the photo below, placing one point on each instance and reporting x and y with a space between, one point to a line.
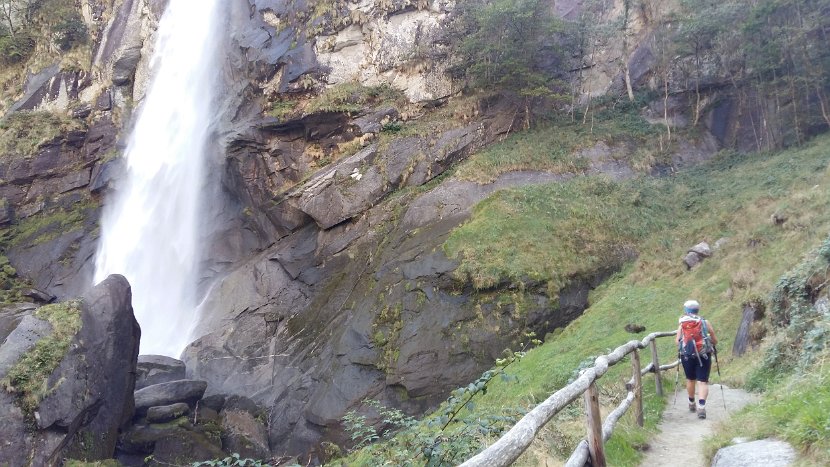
29 377
233 460
766 47
22 133
447 438
24 22
501 46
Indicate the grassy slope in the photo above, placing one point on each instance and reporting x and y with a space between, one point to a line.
732 197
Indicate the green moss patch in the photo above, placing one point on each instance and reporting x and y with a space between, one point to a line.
47 226
22 133
29 377
352 97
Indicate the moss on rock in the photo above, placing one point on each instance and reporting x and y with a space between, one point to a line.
29 377
22 133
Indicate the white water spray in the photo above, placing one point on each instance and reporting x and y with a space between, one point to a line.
150 230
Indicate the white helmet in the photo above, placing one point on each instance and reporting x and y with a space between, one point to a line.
691 306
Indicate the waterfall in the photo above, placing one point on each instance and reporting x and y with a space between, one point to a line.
150 229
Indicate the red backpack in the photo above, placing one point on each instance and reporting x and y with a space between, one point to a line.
694 337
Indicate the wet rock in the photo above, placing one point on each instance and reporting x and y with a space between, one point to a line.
104 174
373 122
104 101
766 452
155 369
166 413
187 391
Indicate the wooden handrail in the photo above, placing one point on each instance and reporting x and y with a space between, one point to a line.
512 444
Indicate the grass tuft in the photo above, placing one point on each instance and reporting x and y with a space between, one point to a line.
22 133
29 377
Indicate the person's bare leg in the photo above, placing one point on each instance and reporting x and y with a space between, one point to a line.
690 388
703 389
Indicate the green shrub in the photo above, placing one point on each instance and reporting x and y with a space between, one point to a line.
15 48
70 30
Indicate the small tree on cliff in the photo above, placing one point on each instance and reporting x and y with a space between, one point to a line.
508 45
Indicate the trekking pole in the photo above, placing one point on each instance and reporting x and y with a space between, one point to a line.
676 381
720 378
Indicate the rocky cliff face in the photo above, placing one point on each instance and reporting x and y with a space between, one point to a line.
326 281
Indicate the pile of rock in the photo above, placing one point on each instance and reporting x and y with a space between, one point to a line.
174 423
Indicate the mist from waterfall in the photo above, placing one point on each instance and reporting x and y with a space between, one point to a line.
150 229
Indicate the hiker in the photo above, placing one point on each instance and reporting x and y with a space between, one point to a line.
696 342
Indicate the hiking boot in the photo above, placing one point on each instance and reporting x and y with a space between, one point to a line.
692 407
701 412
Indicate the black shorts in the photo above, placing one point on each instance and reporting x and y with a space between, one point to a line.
697 370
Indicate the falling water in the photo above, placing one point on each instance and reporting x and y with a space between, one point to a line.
150 228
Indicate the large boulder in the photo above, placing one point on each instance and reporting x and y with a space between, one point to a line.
766 452
89 392
187 391
155 369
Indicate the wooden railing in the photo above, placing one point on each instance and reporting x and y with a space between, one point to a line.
512 444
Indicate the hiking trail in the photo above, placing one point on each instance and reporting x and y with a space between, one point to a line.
681 433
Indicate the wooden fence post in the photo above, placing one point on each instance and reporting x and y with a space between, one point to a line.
638 387
594 421
657 380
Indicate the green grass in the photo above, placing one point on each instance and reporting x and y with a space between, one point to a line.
29 377
352 97
46 226
797 411
11 285
539 234
733 196
555 232
22 133
554 146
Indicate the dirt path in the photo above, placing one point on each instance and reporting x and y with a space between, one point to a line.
680 441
